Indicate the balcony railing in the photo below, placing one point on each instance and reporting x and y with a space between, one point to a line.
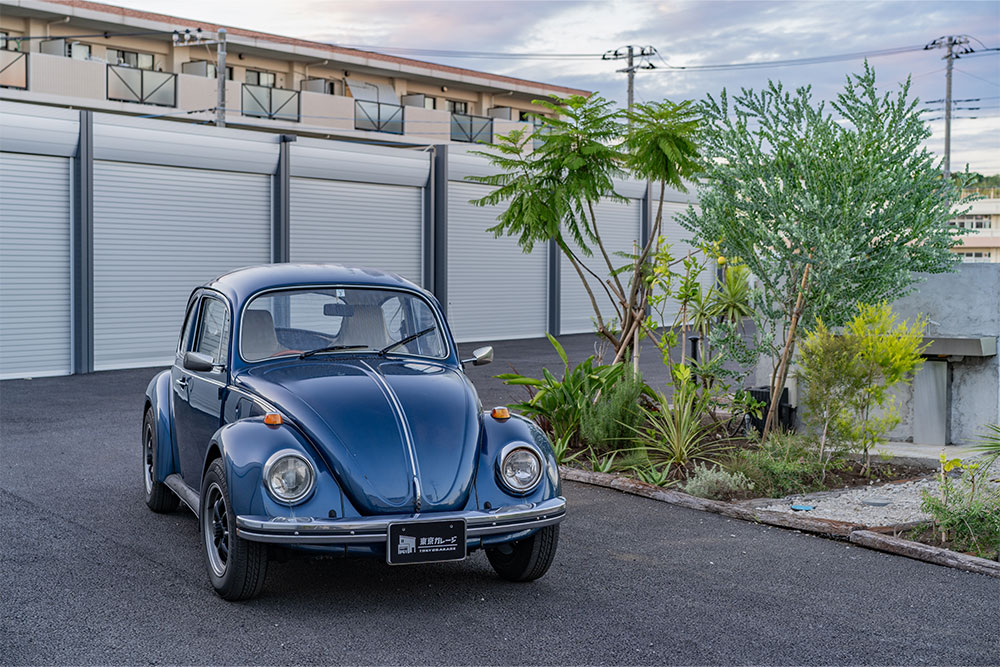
13 69
983 191
273 103
146 86
538 132
378 116
471 129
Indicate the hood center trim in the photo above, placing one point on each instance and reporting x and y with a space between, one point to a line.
401 422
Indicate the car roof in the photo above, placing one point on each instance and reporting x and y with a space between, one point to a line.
241 284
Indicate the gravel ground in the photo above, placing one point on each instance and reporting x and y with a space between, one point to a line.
874 505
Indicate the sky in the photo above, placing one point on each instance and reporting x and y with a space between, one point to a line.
683 33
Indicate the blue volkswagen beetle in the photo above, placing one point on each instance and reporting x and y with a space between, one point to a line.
325 409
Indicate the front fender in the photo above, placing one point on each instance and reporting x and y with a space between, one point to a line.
246 445
158 397
496 435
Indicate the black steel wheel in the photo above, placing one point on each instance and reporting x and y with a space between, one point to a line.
236 567
159 497
527 559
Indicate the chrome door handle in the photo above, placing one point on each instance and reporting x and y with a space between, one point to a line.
182 382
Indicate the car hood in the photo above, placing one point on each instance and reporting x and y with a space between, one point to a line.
376 421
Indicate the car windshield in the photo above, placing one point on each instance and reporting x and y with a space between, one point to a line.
339 320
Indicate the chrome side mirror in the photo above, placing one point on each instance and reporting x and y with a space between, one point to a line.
196 361
480 356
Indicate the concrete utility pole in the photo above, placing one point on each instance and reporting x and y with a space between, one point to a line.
631 78
220 75
189 38
628 54
949 43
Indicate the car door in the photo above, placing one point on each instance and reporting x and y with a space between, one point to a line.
199 395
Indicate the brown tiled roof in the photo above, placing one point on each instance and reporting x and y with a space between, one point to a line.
165 18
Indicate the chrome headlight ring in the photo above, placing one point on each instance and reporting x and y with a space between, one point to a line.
519 474
289 469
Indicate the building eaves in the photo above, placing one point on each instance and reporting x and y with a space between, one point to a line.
357 57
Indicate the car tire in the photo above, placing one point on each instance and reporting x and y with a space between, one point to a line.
236 567
159 497
527 559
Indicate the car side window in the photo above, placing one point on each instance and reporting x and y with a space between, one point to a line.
213 331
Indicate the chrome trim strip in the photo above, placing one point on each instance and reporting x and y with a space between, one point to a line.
187 495
307 530
267 407
402 422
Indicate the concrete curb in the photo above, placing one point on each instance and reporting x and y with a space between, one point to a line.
871 537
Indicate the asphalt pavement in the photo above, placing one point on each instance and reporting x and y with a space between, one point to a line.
88 575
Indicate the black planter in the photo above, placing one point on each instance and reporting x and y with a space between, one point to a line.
786 413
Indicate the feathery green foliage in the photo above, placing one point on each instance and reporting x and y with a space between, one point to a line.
552 192
853 196
887 353
609 422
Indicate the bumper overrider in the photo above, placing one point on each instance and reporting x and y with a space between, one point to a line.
373 529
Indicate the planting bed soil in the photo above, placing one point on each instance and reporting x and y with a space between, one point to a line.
926 534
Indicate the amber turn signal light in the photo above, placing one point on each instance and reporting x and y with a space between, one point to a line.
272 419
500 413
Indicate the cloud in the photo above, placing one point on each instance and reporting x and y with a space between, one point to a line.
684 32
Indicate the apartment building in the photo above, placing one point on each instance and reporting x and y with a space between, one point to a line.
982 244
94 56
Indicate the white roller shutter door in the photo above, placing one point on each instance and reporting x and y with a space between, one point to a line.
619 226
159 232
357 224
677 237
34 265
495 291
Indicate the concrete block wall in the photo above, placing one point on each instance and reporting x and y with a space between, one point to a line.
965 303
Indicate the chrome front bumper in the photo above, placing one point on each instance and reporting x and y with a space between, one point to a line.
375 529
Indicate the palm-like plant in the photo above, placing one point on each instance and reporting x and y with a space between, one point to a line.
676 433
732 296
989 445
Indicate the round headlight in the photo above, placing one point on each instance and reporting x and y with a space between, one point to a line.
288 477
520 469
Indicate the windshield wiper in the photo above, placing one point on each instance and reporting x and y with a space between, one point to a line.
331 348
408 339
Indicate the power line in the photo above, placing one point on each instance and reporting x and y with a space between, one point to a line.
967 99
791 61
992 83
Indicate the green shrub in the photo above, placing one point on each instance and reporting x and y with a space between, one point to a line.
609 423
557 404
783 465
966 511
848 377
716 483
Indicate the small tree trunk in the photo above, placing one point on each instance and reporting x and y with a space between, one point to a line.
635 352
781 374
684 320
